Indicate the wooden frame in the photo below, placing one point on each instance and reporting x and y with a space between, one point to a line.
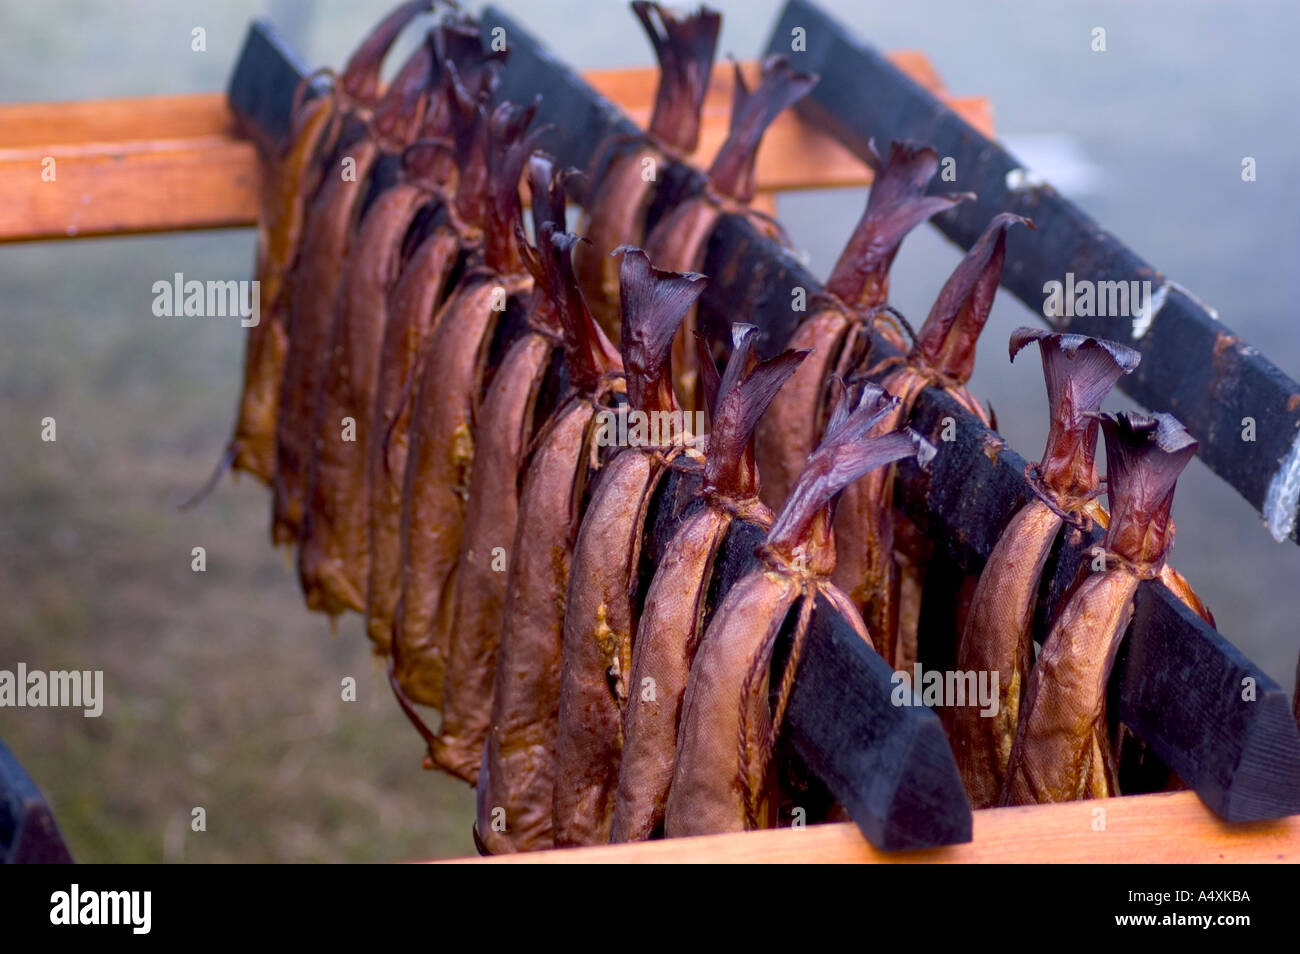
172 163
178 163
1168 828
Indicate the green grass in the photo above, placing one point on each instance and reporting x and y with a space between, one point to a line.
222 691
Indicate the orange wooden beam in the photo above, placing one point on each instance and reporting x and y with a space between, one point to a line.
169 163
1169 828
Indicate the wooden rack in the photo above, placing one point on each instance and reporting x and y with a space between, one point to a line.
176 163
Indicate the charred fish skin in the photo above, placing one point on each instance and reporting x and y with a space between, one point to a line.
1062 750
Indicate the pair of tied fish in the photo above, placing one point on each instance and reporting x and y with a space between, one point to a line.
625 183
1048 739
850 331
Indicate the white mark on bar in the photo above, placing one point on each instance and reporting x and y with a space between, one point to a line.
1284 495
1154 302
1019 179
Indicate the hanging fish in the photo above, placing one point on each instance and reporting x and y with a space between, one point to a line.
420 299
620 197
289 180
672 622
1062 749
1080 372
837 326
516 782
600 611
318 276
513 410
454 371
721 778
679 241
881 576
333 543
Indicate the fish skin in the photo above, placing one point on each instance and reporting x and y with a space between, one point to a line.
667 638
314 284
789 431
414 307
318 275
678 244
997 639
1062 750
435 485
517 773
707 793
620 203
334 545
479 591
599 624
288 183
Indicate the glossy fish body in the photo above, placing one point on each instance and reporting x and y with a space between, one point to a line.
1064 746
413 308
288 184
334 546
436 485
599 624
315 284
789 430
670 630
714 780
479 589
516 783
1002 614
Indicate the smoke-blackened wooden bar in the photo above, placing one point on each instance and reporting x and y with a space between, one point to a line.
1193 366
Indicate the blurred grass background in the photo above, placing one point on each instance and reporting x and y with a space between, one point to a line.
223 692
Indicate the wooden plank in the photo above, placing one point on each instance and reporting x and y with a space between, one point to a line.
1193 366
166 163
32 126
124 188
1165 828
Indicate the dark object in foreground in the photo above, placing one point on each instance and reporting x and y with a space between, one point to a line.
28 834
